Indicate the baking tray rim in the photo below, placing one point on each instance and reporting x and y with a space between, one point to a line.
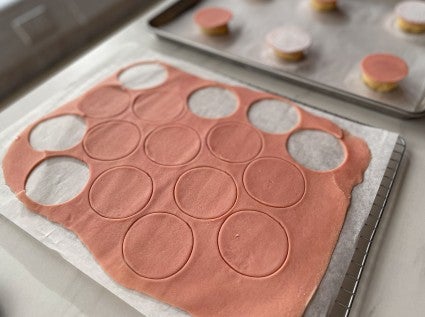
242 61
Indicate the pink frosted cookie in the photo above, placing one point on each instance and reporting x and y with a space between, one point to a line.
411 16
289 42
383 72
213 20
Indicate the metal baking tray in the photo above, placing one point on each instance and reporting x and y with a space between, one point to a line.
348 290
340 40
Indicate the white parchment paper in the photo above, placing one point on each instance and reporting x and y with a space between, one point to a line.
54 236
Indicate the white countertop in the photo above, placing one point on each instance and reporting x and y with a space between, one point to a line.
34 281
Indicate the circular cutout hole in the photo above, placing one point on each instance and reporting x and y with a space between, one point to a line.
58 133
212 102
273 115
143 76
158 245
316 150
120 192
253 243
56 180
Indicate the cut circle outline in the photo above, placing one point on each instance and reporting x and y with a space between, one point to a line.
53 117
127 153
268 203
228 89
165 67
162 127
180 268
285 231
36 164
206 218
99 88
340 141
288 102
229 123
173 117
152 189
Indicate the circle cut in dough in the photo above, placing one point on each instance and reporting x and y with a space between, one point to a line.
111 140
172 145
253 243
205 192
274 182
104 102
120 192
234 142
316 150
212 102
273 116
58 133
57 180
143 76
158 245
159 106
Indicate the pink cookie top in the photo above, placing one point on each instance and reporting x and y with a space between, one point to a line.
385 68
212 17
411 11
289 39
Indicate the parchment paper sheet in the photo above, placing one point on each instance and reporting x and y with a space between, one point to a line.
71 249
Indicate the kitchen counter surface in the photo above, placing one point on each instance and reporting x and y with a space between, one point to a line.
34 281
